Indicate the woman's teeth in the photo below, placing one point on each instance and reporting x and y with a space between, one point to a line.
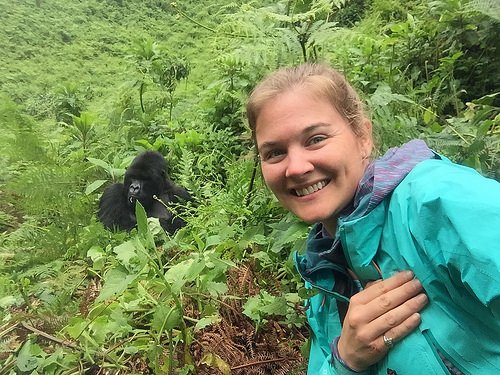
311 189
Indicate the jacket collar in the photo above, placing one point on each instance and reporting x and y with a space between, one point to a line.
361 238
360 228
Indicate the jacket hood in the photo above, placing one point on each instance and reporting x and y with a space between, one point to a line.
383 175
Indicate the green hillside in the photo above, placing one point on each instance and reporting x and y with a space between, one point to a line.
86 85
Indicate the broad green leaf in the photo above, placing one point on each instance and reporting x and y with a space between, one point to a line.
142 225
206 321
177 274
99 163
98 257
383 95
173 319
95 253
115 282
29 356
486 99
293 297
94 186
187 369
118 322
251 308
276 307
195 269
199 242
56 360
132 349
142 219
144 143
263 257
126 253
306 293
165 317
76 326
223 264
117 172
178 271
216 289
436 128
398 28
483 129
213 241
265 304
100 329
185 274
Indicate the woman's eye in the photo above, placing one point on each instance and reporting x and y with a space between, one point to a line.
316 139
273 154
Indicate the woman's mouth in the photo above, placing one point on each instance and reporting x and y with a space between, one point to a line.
310 189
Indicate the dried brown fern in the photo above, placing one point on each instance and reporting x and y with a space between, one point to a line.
241 280
88 295
274 350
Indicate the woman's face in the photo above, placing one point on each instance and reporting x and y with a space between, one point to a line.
310 158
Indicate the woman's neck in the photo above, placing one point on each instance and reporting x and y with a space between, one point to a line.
330 226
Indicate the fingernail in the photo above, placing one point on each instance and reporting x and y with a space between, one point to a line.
422 298
409 274
416 283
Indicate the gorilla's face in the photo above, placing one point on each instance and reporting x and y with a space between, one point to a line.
143 179
140 190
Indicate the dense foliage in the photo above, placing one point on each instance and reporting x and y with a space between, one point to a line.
86 85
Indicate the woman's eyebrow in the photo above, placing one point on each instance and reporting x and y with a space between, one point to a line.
307 130
313 127
266 146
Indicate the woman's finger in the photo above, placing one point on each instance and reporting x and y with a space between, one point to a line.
396 319
378 288
391 299
396 334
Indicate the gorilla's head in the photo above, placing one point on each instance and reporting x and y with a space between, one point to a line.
145 177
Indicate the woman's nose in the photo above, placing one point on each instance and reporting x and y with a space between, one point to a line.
298 164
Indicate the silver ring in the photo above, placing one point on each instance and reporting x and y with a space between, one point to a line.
388 341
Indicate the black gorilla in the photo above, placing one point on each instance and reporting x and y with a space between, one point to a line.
144 178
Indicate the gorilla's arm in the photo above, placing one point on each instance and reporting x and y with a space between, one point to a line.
176 194
168 220
114 211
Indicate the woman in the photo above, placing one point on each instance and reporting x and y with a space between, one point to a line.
404 251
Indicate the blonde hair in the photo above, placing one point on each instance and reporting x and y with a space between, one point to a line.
322 80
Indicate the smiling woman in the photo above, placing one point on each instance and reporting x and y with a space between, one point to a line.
380 227
311 158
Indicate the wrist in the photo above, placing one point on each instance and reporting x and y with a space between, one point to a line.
336 357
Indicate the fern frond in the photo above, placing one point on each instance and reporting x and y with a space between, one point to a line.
491 8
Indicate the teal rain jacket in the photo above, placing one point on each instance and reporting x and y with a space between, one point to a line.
443 222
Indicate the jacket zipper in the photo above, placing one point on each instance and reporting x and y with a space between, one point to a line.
439 351
333 266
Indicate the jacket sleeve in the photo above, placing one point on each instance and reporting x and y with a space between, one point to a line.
456 218
325 363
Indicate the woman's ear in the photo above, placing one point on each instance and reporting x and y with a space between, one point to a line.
366 138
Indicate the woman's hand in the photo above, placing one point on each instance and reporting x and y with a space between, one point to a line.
384 308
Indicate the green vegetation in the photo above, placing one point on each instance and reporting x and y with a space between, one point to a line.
86 85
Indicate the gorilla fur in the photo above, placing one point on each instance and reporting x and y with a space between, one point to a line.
145 177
